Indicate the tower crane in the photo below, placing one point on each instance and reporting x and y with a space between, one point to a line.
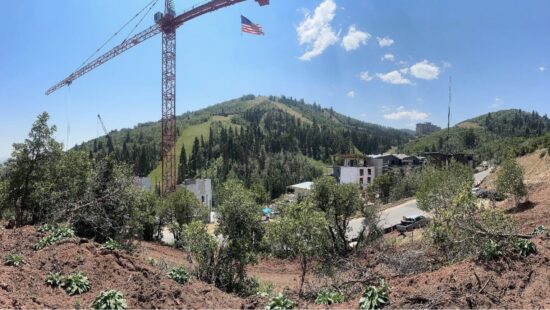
110 145
166 24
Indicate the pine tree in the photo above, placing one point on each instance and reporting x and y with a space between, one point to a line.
182 167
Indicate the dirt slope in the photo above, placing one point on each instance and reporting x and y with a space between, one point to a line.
143 286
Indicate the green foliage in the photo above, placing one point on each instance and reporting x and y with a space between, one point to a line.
240 223
182 207
375 297
265 289
339 203
525 247
491 250
76 283
110 245
439 186
329 298
179 274
510 180
539 230
46 228
54 279
55 234
14 260
300 232
280 302
109 300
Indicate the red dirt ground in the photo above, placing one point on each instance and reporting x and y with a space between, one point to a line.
143 286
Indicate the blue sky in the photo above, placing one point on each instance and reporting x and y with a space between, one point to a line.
386 62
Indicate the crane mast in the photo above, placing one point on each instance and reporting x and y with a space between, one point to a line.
165 23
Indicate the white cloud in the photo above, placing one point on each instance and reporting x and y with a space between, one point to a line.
354 39
497 103
404 70
385 41
393 77
425 70
365 76
316 32
388 57
351 94
542 68
403 114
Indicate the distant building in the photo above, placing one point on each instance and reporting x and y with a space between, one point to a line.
440 159
408 160
423 129
202 189
354 169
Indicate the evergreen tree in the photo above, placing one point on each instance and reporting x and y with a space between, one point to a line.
182 166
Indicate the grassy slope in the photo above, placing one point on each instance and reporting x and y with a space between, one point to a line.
187 137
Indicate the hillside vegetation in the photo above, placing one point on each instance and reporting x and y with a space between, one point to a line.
489 136
268 141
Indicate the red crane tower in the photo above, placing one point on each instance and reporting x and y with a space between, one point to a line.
166 24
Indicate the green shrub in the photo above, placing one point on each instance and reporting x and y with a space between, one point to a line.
525 247
179 274
56 234
280 302
111 299
76 284
539 230
110 245
375 297
490 251
14 260
46 228
329 298
54 279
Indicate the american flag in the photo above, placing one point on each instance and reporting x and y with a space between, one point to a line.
249 27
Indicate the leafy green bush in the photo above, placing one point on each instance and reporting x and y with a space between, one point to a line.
46 228
525 247
76 284
14 260
539 230
110 245
111 299
56 234
179 274
280 302
375 297
490 251
329 298
54 279
265 289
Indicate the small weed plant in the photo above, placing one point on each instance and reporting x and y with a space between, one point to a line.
110 245
179 274
375 297
265 289
280 302
539 230
329 298
491 251
54 279
76 283
525 247
14 260
55 234
110 299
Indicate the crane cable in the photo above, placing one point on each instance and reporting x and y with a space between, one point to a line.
142 18
150 5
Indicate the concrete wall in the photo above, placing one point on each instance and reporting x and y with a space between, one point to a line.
202 189
353 175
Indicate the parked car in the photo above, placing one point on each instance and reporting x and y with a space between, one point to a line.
489 194
412 222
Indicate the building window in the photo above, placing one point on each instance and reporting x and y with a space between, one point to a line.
368 180
361 172
361 181
369 171
202 197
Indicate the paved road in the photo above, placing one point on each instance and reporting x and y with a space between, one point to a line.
392 216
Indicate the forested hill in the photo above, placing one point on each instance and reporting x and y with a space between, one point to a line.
489 136
251 138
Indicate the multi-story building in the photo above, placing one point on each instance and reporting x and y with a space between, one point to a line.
202 189
354 169
423 129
